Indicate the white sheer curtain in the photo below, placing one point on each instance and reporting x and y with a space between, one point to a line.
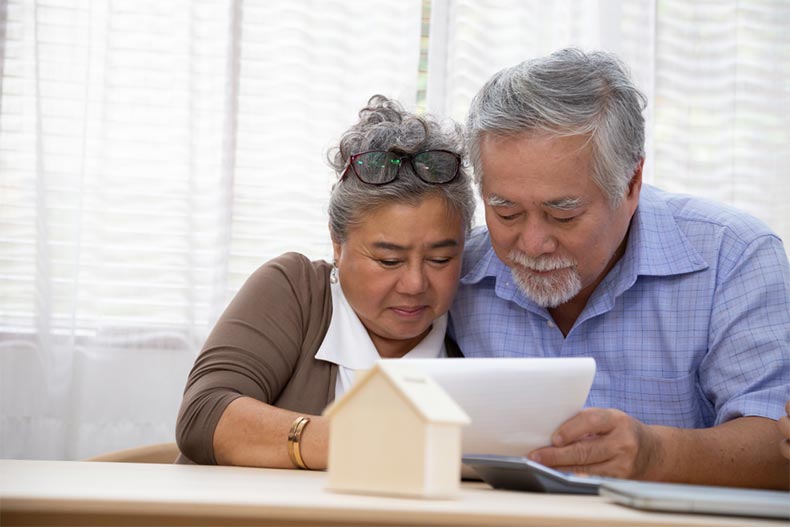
716 73
152 154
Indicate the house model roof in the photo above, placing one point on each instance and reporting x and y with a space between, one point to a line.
419 390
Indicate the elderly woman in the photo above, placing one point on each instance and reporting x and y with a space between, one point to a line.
289 342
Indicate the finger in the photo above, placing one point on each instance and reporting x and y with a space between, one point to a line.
581 453
600 458
784 448
784 427
584 425
608 469
787 407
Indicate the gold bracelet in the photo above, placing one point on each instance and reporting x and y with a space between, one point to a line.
294 441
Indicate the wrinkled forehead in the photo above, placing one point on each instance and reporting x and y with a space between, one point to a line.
441 208
555 145
540 168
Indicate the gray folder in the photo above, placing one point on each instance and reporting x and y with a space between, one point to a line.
698 498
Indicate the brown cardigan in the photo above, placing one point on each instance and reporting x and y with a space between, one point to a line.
264 347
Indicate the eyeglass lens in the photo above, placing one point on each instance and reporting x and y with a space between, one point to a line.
377 167
435 166
432 166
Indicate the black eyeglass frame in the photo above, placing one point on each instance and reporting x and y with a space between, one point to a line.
400 157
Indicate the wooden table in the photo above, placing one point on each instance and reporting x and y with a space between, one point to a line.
92 493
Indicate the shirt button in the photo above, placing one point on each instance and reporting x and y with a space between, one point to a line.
551 324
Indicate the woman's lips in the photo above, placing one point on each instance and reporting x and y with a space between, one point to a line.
409 311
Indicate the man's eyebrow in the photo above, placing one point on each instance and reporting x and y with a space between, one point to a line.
564 203
388 246
497 201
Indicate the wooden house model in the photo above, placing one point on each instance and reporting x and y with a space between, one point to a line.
396 431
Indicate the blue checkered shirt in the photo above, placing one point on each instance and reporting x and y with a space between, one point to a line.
691 328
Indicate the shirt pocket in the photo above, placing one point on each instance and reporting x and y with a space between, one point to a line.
656 400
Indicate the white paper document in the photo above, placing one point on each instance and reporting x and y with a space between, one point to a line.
514 404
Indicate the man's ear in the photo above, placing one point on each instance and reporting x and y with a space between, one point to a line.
635 186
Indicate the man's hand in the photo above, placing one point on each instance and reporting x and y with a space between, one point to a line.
784 428
603 442
739 453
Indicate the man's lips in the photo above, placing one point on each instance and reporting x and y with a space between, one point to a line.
542 273
537 272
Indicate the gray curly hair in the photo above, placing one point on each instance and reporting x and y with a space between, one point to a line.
567 93
384 125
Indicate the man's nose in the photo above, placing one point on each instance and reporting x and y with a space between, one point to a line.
536 239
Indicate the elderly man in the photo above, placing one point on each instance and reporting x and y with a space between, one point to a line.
683 303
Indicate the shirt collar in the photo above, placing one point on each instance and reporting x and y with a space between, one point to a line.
656 245
489 264
348 344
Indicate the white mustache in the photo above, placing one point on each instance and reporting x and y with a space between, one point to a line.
542 264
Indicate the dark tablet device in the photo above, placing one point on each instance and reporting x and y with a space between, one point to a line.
519 473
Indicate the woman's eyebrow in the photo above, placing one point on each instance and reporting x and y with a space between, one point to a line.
449 242
389 246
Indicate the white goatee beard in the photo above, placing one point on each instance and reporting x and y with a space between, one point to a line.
550 290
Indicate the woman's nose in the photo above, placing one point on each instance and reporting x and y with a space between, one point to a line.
413 280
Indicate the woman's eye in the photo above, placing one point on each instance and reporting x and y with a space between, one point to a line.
389 263
439 261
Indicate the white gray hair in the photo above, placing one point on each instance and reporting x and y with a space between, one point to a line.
567 93
384 125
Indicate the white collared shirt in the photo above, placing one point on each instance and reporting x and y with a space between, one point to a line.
348 344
